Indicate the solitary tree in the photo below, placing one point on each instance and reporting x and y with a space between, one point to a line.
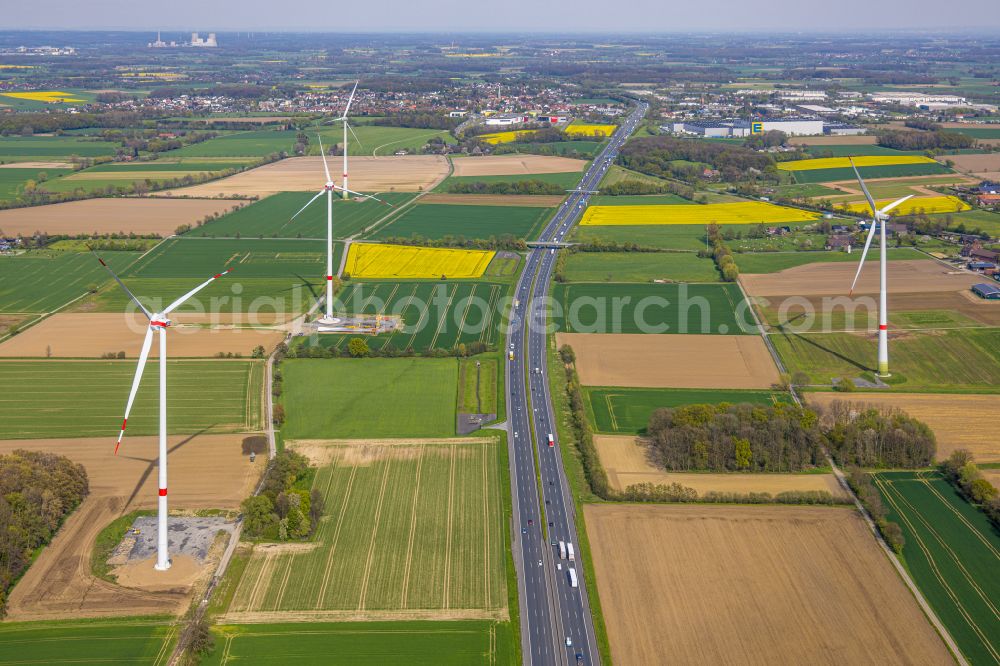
358 347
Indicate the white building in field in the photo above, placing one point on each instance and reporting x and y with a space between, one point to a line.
916 98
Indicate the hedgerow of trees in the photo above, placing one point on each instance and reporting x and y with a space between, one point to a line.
720 253
37 491
963 473
533 186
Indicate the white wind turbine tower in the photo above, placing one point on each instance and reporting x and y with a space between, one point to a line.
879 218
328 189
158 322
343 119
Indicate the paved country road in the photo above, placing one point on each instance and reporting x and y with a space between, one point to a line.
553 612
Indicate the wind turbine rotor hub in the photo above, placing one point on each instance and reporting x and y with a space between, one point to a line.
328 186
159 321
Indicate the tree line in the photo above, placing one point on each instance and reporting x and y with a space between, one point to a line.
861 483
720 253
963 473
927 140
285 509
532 186
37 491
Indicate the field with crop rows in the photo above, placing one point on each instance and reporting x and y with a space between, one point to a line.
871 172
435 221
248 257
566 180
41 281
87 398
272 216
585 129
366 260
494 138
773 262
639 267
99 642
651 308
952 551
436 315
414 525
12 181
917 205
375 139
253 143
627 410
23 148
374 397
851 150
748 212
859 161
416 643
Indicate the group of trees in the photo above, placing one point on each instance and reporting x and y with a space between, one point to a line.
285 509
725 437
632 186
532 186
37 491
417 119
963 473
926 140
670 157
872 436
720 253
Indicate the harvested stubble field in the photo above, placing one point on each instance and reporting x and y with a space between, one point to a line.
985 163
959 421
87 398
435 315
207 472
752 585
410 173
514 165
629 461
529 200
139 215
834 279
412 527
144 641
952 551
747 212
672 361
89 335
41 281
376 261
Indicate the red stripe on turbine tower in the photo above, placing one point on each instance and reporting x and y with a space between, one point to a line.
163 492
329 277
882 327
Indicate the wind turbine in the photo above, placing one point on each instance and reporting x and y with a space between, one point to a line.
343 119
158 322
328 189
879 218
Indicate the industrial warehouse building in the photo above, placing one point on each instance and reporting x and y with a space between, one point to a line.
743 128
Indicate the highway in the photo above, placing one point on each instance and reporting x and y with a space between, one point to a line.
556 624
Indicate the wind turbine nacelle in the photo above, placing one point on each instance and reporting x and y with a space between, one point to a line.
159 321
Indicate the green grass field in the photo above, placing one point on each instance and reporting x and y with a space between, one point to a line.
639 267
887 171
99 642
43 280
477 386
252 143
853 150
435 221
806 190
437 315
638 200
976 219
627 410
87 398
583 149
691 237
182 165
248 257
12 181
272 217
952 551
369 397
979 132
942 360
33 148
458 643
231 294
773 262
650 308
375 139
565 180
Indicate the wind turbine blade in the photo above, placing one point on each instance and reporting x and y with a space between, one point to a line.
364 196
868 242
122 285
349 100
361 146
894 204
180 301
322 154
864 188
307 204
143 355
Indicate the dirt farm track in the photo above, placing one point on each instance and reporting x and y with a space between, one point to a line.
691 584
207 471
671 361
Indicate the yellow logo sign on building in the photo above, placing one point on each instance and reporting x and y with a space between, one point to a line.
756 128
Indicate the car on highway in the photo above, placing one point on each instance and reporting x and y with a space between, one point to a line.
530 521
569 642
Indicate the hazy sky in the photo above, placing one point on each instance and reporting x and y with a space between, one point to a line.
506 15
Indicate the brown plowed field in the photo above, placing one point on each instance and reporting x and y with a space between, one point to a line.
628 462
671 361
535 200
89 335
37 165
834 279
768 585
409 173
515 165
142 216
983 163
206 471
959 421
857 140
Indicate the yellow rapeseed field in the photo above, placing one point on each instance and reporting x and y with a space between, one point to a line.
747 212
44 96
859 161
505 137
368 260
926 205
590 130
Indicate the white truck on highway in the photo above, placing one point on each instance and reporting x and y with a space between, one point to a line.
562 550
572 578
569 553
